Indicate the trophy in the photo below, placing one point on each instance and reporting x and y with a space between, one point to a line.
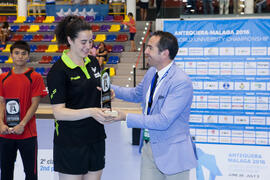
12 112
106 92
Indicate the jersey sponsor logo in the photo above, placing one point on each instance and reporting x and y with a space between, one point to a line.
75 78
94 69
97 75
53 93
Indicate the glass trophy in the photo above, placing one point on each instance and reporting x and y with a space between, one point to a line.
12 112
106 92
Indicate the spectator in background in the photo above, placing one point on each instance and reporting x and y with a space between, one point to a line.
224 6
132 31
102 53
4 32
208 7
144 9
36 7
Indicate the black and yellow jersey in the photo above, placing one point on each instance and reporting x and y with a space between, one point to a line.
76 87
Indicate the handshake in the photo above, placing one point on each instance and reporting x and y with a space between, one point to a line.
107 116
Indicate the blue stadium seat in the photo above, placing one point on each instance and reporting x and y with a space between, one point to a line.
3 58
113 60
28 37
110 38
33 48
54 59
99 18
30 19
14 28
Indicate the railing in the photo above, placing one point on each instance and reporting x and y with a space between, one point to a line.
9 5
32 6
112 5
149 30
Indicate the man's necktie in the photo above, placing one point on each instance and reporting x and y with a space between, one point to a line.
152 90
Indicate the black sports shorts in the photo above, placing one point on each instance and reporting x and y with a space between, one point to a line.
79 159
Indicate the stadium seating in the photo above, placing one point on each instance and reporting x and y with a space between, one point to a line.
41 48
23 28
54 59
58 19
16 37
33 47
113 60
5 69
111 38
3 58
11 19
2 46
14 28
9 61
28 37
40 70
61 48
52 28
43 28
54 39
95 28
112 71
115 28
48 37
104 28
30 19
100 38
20 19
39 19
117 49
99 18
124 28
46 71
49 19
108 18
45 60
37 38
33 28
109 47
121 38
52 48
3 19
118 18
89 18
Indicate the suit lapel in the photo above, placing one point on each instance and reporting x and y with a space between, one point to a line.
163 86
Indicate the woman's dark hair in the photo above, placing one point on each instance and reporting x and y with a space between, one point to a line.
104 45
167 41
5 25
70 26
20 45
130 14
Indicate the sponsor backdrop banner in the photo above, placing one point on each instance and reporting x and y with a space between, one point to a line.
229 64
79 10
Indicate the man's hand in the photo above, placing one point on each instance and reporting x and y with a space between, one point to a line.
4 129
121 116
100 115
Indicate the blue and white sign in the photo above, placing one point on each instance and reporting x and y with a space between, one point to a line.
229 64
78 10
